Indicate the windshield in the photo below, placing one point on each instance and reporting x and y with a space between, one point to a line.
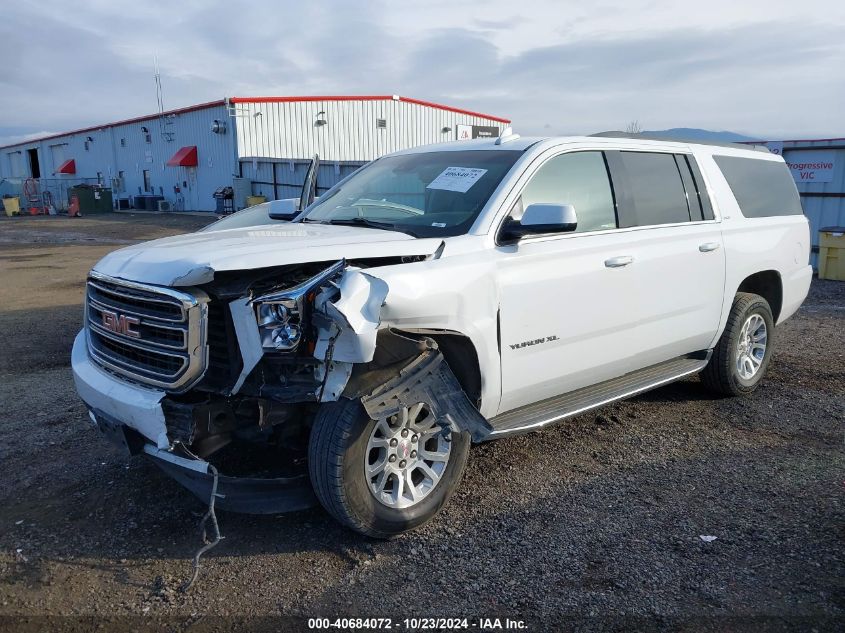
430 194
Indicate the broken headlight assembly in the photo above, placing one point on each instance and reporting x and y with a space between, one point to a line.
279 324
280 314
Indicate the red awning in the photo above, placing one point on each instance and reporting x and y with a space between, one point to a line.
67 167
185 157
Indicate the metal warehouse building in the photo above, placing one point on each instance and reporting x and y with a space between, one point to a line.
257 145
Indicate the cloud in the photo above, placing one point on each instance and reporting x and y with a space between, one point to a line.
759 67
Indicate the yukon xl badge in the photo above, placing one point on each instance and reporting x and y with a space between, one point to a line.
536 341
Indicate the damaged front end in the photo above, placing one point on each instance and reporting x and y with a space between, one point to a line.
275 353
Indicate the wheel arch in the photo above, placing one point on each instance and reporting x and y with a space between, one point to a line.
769 285
461 356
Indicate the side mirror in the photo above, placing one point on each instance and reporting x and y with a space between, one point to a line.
541 218
286 209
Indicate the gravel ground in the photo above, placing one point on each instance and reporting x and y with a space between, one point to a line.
593 524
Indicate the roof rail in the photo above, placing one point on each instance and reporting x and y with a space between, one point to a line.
651 137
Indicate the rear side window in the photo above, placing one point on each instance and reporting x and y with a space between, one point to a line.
762 188
654 190
579 179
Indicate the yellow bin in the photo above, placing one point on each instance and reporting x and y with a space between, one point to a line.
251 201
832 253
12 206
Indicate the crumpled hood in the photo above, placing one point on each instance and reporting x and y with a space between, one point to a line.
192 259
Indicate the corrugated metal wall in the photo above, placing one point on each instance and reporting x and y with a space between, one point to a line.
289 129
823 202
215 154
274 141
123 150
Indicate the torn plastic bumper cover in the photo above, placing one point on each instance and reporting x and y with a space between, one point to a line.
250 495
427 378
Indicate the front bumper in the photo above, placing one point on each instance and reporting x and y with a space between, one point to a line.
132 417
139 408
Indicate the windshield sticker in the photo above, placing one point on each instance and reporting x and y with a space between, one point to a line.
458 179
439 225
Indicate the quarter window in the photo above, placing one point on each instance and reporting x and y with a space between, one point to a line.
761 187
655 190
579 179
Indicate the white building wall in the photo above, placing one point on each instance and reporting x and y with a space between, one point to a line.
267 141
215 157
122 149
289 130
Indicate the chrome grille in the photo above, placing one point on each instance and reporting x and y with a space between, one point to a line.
152 335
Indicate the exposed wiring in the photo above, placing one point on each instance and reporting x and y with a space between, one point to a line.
208 545
328 361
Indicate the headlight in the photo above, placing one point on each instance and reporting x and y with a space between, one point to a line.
279 324
279 313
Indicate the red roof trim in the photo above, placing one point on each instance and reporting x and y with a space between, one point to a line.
67 167
220 102
458 110
297 99
146 117
185 157
429 104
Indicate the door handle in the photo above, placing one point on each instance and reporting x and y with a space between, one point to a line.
708 246
618 262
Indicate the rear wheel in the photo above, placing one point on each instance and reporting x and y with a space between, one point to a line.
742 355
383 477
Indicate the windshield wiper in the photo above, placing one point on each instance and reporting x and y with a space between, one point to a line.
374 224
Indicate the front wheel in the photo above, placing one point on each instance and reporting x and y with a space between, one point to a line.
742 355
383 477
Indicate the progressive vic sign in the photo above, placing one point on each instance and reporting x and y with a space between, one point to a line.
810 165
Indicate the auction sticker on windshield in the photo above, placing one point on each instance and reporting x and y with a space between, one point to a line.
458 179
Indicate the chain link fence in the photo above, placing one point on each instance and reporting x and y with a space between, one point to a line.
54 189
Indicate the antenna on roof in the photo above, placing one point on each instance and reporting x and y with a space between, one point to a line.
167 136
506 136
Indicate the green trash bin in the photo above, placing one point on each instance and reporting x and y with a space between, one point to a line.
103 200
85 195
92 199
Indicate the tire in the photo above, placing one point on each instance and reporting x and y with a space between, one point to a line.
727 373
339 451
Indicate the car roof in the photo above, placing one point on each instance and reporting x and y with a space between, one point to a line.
609 140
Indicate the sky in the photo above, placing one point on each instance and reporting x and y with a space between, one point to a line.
769 69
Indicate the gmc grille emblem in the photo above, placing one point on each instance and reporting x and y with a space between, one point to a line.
121 324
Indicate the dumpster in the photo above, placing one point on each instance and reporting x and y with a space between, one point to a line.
832 253
85 195
91 199
12 205
103 201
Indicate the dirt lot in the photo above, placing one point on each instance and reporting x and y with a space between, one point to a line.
593 524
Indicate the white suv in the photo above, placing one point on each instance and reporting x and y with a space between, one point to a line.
439 296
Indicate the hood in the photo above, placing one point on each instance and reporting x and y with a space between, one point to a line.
192 259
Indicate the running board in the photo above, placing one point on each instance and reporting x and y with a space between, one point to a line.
535 416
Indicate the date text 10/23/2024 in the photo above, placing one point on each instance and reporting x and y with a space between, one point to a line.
417 624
